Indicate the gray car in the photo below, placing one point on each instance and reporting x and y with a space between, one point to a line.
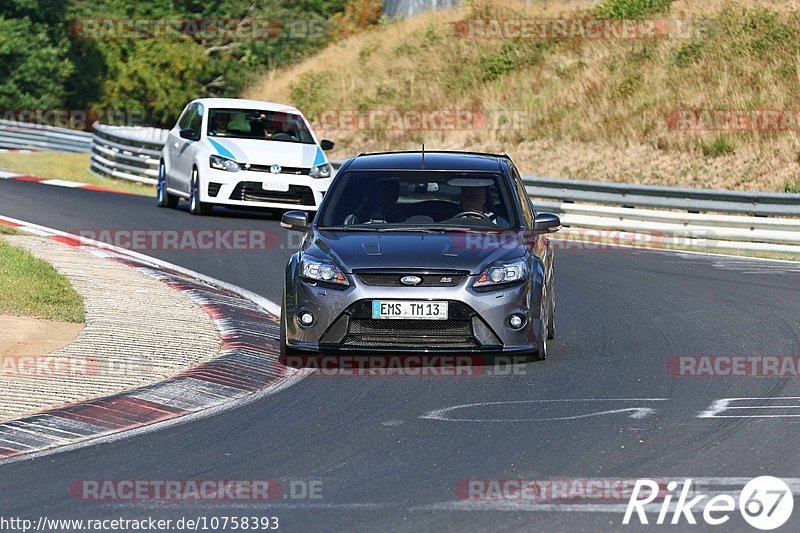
421 252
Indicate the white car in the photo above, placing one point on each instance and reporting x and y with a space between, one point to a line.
226 151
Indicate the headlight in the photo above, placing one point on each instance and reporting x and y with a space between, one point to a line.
501 273
320 171
223 163
324 271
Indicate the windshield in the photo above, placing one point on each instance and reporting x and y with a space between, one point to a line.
389 200
258 124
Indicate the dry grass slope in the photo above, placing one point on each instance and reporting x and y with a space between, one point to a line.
595 109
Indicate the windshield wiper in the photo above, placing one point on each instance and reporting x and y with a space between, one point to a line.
423 229
345 228
434 229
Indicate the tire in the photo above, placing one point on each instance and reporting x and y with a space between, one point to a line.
164 198
196 207
285 350
551 320
542 334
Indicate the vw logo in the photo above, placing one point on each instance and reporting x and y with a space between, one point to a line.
411 280
275 169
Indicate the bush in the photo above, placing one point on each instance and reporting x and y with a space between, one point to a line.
309 92
631 8
687 53
357 16
718 147
497 64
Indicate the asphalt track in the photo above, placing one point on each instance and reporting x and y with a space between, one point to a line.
384 465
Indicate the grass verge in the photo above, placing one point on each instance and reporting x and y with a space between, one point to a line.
32 287
8 230
69 167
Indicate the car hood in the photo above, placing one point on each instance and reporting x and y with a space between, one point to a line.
412 250
263 152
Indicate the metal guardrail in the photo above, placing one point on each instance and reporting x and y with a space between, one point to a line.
38 137
694 218
410 8
671 216
759 204
130 153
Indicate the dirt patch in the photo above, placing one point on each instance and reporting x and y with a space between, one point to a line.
24 336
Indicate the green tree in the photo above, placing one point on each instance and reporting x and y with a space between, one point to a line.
34 63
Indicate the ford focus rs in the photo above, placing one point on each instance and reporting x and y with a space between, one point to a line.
246 153
424 252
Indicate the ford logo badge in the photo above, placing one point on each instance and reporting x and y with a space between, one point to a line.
411 280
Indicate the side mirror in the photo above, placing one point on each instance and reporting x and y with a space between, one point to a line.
326 145
188 134
546 223
295 220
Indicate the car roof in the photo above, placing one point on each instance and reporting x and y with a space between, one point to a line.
240 103
429 160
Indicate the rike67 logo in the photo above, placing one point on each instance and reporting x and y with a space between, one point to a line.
765 503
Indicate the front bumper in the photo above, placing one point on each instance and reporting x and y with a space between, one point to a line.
478 320
244 188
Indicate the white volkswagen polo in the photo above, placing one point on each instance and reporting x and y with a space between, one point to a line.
226 151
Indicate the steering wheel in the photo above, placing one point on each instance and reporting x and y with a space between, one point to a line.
282 136
473 214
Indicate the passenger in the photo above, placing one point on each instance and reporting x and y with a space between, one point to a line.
221 121
379 205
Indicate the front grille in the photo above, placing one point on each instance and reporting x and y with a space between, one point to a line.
251 191
383 341
429 279
213 189
362 331
363 326
299 171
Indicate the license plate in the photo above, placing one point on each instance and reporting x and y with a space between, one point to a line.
409 310
275 187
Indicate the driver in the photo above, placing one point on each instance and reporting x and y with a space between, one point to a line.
270 130
221 121
473 199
